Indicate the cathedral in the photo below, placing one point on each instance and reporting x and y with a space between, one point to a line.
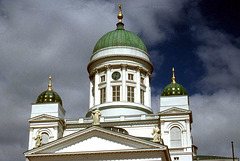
120 124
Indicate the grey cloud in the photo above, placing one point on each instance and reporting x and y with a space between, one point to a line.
42 38
216 122
220 54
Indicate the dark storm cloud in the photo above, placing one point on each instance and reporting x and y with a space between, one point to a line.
42 38
39 38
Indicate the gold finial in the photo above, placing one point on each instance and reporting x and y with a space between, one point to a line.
50 83
173 78
120 15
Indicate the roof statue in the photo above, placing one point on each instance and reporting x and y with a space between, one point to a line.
38 139
156 134
96 114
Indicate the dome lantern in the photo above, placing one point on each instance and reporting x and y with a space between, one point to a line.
174 88
120 38
49 96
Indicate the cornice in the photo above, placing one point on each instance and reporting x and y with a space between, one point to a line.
110 56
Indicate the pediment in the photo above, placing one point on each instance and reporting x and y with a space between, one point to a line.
95 144
94 139
175 110
43 117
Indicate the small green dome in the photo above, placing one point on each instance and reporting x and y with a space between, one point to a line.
120 37
174 88
49 96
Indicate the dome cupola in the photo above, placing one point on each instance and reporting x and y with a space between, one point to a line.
49 96
174 88
120 37
120 74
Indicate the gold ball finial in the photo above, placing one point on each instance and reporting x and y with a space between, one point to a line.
120 15
50 83
173 78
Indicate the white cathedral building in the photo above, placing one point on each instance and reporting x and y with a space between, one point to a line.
120 124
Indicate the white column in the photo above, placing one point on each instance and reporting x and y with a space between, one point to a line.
137 92
108 83
124 88
188 135
148 90
96 91
90 95
30 144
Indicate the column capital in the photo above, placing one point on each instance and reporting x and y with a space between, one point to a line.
148 73
95 70
123 66
138 68
108 67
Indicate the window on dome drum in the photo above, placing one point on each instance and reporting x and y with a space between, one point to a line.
142 96
130 94
175 137
116 93
130 76
45 138
103 95
103 78
142 80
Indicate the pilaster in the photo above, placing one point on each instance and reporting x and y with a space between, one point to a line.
108 83
96 90
137 92
124 92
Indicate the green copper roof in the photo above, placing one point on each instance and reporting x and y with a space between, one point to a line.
174 89
120 37
49 97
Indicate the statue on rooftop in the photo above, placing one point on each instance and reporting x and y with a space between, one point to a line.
38 139
156 134
96 114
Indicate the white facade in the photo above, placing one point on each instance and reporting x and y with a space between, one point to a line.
176 119
134 68
120 88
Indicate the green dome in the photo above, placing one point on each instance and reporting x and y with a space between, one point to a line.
174 89
49 97
119 37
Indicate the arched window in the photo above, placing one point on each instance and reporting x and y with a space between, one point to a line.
45 138
175 138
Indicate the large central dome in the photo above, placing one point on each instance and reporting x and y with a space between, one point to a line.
120 37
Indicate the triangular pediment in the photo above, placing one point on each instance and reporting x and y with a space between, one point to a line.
43 117
94 144
94 139
175 110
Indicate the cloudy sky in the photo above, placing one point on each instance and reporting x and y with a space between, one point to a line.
200 38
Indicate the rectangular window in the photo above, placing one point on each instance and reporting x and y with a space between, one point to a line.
142 96
130 76
116 93
130 94
103 95
103 78
176 158
142 80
